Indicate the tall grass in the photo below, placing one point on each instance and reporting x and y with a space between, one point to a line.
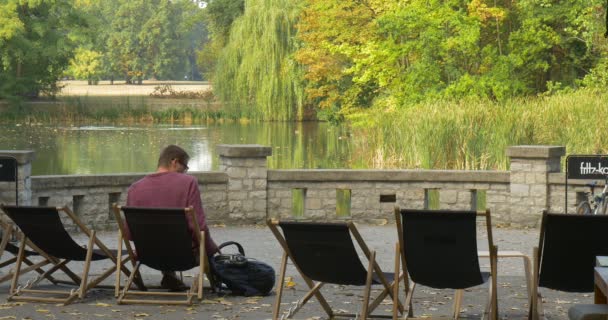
126 111
475 134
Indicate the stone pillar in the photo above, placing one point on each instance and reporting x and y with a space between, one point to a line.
247 170
24 172
530 166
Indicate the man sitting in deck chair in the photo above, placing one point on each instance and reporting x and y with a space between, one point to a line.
170 187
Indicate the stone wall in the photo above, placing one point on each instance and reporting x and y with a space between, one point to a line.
374 193
244 191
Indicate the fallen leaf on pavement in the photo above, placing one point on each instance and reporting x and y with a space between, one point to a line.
101 304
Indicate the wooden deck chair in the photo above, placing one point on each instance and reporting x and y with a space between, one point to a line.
565 257
439 250
162 242
324 253
43 230
7 231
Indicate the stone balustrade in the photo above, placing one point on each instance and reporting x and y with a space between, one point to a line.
245 191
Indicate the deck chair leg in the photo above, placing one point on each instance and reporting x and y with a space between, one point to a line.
488 309
457 303
396 282
535 298
494 284
388 291
128 284
118 266
17 270
7 262
277 303
6 236
47 273
491 310
36 267
87 265
314 291
408 300
57 266
528 268
138 280
31 266
540 308
368 285
202 259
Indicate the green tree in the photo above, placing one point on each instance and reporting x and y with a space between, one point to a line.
34 49
87 64
256 74
556 42
335 35
153 39
219 16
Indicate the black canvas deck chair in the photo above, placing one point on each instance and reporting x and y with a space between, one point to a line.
565 257
8 232
162 242
10 252
324 253
43 231
439 250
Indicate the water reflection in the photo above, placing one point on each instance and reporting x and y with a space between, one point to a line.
108 149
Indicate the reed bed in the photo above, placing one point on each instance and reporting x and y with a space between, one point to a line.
119 110
474 135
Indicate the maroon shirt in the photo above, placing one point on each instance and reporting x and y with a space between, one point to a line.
171 190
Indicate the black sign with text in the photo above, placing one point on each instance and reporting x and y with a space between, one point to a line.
587 166
8 169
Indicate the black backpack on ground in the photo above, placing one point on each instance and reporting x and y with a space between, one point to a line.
240 274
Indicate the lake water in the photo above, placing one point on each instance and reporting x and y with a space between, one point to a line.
122 149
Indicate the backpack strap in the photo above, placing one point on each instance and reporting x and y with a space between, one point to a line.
238 245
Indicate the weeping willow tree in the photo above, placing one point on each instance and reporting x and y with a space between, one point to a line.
256 75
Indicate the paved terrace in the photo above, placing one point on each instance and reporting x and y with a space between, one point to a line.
260 243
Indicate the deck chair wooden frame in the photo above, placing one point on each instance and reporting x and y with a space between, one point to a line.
6 247
42 229
491 309
565 257
527 264
372 270
129 296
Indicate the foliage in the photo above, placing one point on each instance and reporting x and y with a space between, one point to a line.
34 51
219 16
391 54
255 73
335 35
87 64
140 39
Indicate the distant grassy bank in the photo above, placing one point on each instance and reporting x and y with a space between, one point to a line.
119 88
475 134
120 103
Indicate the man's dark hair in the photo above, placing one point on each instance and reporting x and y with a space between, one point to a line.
171 152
